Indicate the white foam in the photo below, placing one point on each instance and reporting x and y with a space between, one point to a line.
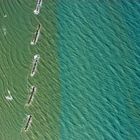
32 74
5 16
36 12
27 116
8 91
36 57
9 97
4 31
38 7
32 43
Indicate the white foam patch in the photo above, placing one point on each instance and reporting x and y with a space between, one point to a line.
32 43
9 97
37 56
36 12
5 16
4 31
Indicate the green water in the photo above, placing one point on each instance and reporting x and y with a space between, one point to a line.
16 55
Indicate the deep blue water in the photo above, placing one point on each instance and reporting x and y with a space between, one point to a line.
99 59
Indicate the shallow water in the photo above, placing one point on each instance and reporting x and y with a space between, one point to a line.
87 77
16 63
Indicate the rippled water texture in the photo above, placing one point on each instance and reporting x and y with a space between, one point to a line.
99 59
18 23
87 77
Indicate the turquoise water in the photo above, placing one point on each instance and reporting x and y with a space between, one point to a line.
99 59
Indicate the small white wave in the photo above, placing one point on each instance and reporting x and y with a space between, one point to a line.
4 31
36 12
32 43
9 97
4 15
36 57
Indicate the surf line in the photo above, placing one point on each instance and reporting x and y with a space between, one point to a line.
32 92
36 35
38 7
28 123
35 62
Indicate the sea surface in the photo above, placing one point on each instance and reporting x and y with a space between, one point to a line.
87 77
